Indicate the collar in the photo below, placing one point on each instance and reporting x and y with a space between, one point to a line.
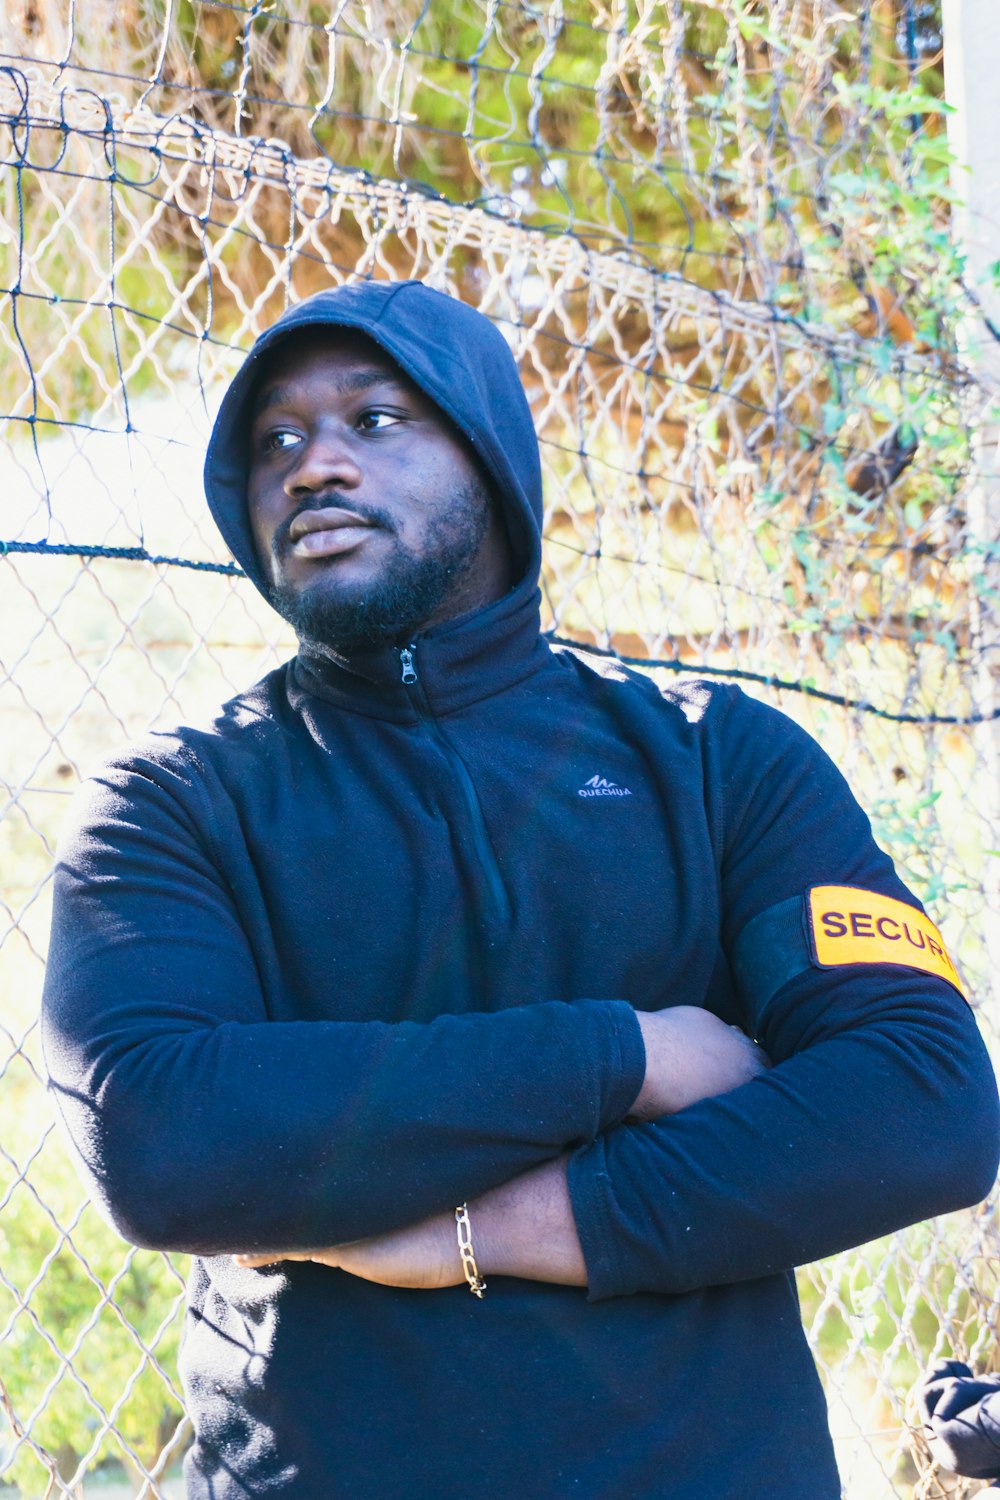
455 664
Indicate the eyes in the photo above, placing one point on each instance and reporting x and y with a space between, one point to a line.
375 420
372 419
281 438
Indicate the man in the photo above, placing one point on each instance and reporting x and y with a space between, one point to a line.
436 934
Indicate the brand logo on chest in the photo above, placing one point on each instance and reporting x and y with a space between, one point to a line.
599 786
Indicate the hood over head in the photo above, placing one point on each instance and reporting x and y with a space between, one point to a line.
454 355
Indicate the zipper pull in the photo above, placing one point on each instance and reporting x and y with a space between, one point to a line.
406 660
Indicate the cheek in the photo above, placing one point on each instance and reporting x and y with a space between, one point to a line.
263 519
444 489
436 511
464 467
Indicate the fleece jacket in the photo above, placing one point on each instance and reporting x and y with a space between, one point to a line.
361 948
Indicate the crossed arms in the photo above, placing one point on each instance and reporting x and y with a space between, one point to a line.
526 1227
204 1126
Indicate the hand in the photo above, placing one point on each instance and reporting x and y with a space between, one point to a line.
691 1055
423 1255
524 1228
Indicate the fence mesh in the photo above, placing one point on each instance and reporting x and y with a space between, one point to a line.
718 238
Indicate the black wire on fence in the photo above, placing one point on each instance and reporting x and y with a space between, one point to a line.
662 663
715 172
756 419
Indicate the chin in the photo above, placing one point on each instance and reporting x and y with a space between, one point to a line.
340 618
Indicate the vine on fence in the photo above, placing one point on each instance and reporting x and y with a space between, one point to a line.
718 236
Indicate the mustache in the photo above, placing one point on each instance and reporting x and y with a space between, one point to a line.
371 515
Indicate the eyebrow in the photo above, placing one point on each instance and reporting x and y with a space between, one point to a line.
348 385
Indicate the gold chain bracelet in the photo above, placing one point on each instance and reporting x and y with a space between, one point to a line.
464 1227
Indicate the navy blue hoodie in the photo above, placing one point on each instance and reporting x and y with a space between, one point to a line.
362 948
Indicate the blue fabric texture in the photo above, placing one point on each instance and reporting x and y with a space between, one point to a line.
772 949
345 956
961 1414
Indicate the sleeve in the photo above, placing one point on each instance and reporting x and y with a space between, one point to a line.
882 1107
961 1415
203 1126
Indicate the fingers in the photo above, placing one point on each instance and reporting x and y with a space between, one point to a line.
254 1261
754 1051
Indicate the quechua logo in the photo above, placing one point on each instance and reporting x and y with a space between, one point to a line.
600 786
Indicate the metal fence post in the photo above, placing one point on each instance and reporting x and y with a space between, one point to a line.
972 66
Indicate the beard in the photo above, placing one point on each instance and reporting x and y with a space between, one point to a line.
408 590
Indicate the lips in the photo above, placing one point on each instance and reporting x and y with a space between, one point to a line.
327 532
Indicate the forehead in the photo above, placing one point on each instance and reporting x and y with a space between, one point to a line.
338 360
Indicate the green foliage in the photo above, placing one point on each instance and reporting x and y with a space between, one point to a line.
798 172
82 1300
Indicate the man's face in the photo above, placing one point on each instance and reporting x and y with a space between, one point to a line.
370 516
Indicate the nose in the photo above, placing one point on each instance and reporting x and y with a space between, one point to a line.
325 462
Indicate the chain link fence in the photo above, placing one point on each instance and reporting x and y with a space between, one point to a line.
717 236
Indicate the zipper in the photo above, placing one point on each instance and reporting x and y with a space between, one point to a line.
406 658
480 836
